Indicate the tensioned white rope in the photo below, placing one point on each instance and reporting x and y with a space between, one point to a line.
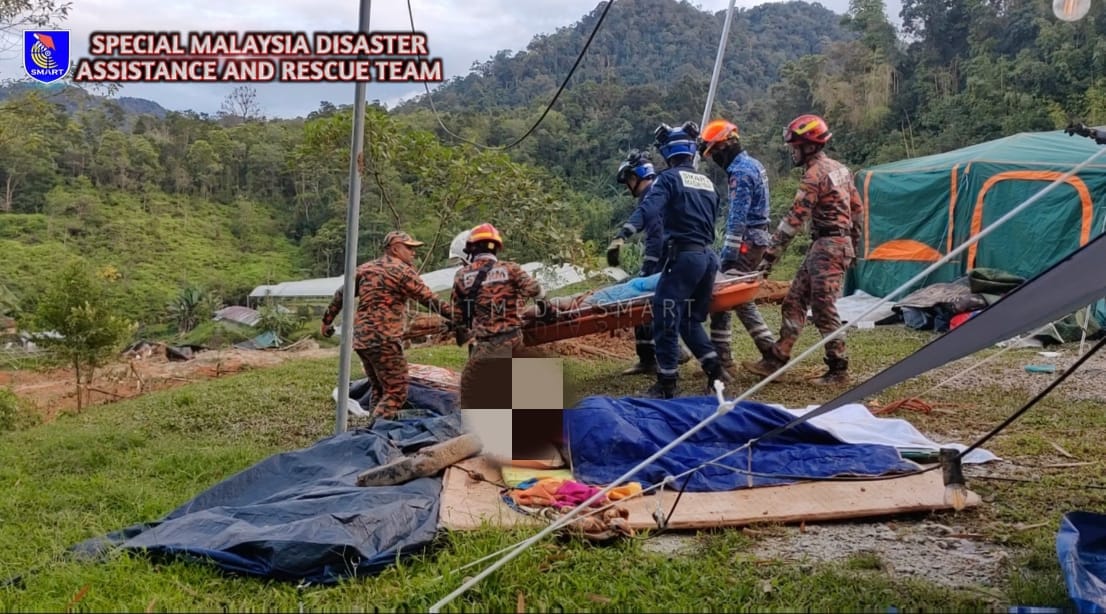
725 406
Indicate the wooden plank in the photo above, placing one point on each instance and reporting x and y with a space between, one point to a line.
467 503
792 503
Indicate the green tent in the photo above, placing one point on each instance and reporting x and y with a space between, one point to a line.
920 209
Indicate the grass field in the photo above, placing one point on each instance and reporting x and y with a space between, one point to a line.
133 461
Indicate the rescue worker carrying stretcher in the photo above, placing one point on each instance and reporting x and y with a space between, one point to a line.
637 173
687 204
747 236
383 287
829 200
489 296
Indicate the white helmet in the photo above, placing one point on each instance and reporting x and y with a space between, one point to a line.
457 247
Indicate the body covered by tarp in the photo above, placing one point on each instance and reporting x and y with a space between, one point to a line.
608 437
920 209
300 516
1081 548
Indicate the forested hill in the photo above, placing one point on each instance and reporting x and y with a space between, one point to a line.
654 43
165 201
651 61
959 72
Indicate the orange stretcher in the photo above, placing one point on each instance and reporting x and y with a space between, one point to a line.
729 292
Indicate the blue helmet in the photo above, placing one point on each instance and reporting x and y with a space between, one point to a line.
674 142
638 163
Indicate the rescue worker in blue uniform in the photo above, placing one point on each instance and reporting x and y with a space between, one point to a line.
637 173
746 237
688 206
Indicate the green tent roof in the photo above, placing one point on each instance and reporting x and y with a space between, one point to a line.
1044 149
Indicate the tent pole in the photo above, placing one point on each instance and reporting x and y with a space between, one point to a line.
1087 316
717 70
353 214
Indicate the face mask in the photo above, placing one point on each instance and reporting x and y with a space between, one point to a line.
797 155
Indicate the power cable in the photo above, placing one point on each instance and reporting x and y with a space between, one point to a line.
548 107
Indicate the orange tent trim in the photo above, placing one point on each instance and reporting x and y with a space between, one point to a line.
905 249
1086 205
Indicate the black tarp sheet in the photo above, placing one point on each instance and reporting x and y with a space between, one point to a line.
299 515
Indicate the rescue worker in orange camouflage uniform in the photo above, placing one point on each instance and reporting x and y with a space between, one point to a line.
489 296
829 201
383 288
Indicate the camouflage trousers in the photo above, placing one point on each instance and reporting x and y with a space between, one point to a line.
486 378
816 287
386 367
721 333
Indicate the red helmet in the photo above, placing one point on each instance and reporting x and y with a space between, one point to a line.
807 128
486 232
716 133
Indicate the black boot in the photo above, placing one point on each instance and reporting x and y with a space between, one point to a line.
838 372
665 388
714 370
642 366
725 359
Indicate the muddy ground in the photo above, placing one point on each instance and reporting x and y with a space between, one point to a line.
53 391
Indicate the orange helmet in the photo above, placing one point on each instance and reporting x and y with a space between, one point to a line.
717 132
807 128
486 233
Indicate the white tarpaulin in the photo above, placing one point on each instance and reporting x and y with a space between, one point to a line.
551 278
853 423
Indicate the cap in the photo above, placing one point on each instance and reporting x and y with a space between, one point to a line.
401 237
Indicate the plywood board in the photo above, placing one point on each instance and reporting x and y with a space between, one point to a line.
466 503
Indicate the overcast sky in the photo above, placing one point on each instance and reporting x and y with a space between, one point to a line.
459 36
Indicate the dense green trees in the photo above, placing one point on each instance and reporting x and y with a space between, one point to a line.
177 200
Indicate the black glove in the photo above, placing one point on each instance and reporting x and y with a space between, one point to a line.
460 334
613 251
545 310
769 260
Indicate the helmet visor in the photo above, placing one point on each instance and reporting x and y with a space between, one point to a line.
623 173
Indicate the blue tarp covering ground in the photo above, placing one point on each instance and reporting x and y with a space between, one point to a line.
300 516
1081 548
608 437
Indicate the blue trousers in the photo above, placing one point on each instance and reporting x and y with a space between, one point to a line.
681 305
643 335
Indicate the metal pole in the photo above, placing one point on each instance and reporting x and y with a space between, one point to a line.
717 70
353 214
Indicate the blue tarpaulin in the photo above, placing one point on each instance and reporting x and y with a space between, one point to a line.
1081 548
608 437
300 516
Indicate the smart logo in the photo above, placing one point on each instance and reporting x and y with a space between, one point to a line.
46 54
